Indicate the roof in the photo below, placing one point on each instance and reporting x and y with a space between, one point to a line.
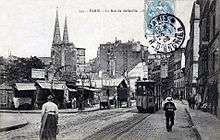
105 82
4 86
25 86
142 81
138 71
47 85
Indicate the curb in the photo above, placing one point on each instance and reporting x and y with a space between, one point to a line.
39 111
79 111
198 136
13 127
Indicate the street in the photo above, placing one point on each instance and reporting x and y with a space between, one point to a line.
120 123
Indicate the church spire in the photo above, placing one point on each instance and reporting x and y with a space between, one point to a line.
65 33
56 35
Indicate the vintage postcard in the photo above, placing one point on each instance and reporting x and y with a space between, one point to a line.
109 69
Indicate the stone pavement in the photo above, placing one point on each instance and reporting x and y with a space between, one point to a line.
8 121
154 127
207 124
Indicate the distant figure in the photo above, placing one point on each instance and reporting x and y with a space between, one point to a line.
193 102
81 103
169 108
49 120
107 92
189 101
74 102
198 99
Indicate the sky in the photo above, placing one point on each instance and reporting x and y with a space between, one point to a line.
27 26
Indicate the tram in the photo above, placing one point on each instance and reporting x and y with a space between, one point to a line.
148 98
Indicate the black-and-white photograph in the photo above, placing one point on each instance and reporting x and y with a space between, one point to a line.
110 70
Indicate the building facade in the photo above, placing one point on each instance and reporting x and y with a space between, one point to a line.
176 69
117 59
208 80
80 60
192 53
158 71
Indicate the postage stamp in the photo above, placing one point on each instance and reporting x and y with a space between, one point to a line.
154 8
163 31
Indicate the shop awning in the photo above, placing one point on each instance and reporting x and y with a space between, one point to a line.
4 86
25 86
72 90
56 86
92 89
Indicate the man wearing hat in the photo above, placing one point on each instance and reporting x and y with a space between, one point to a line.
169 108
49 120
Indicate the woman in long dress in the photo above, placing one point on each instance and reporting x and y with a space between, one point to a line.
49 120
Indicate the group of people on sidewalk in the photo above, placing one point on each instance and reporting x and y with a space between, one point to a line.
195 101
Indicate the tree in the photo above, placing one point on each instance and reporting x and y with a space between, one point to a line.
19 70
2 70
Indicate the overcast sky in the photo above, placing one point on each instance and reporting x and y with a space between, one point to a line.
27 26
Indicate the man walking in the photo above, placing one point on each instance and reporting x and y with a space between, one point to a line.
169 108
49 120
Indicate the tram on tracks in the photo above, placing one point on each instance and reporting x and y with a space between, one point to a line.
148 96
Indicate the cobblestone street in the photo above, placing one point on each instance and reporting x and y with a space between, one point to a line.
122 123
151 127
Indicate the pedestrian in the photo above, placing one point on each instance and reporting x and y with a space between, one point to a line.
198 99
169 108
193 102
189 101
74 102
81 103
49 120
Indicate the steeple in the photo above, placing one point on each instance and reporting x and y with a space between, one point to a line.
56 35
65 33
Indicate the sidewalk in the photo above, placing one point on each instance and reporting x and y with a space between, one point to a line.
207 124
8 122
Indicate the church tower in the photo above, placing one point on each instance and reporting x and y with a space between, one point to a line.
63 53
65 33
68 56
56 44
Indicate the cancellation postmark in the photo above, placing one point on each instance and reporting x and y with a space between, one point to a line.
164 31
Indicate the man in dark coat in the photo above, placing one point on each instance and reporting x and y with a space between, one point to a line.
169 108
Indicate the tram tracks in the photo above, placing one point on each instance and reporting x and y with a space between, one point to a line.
115 130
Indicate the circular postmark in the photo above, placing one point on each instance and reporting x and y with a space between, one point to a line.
168 33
